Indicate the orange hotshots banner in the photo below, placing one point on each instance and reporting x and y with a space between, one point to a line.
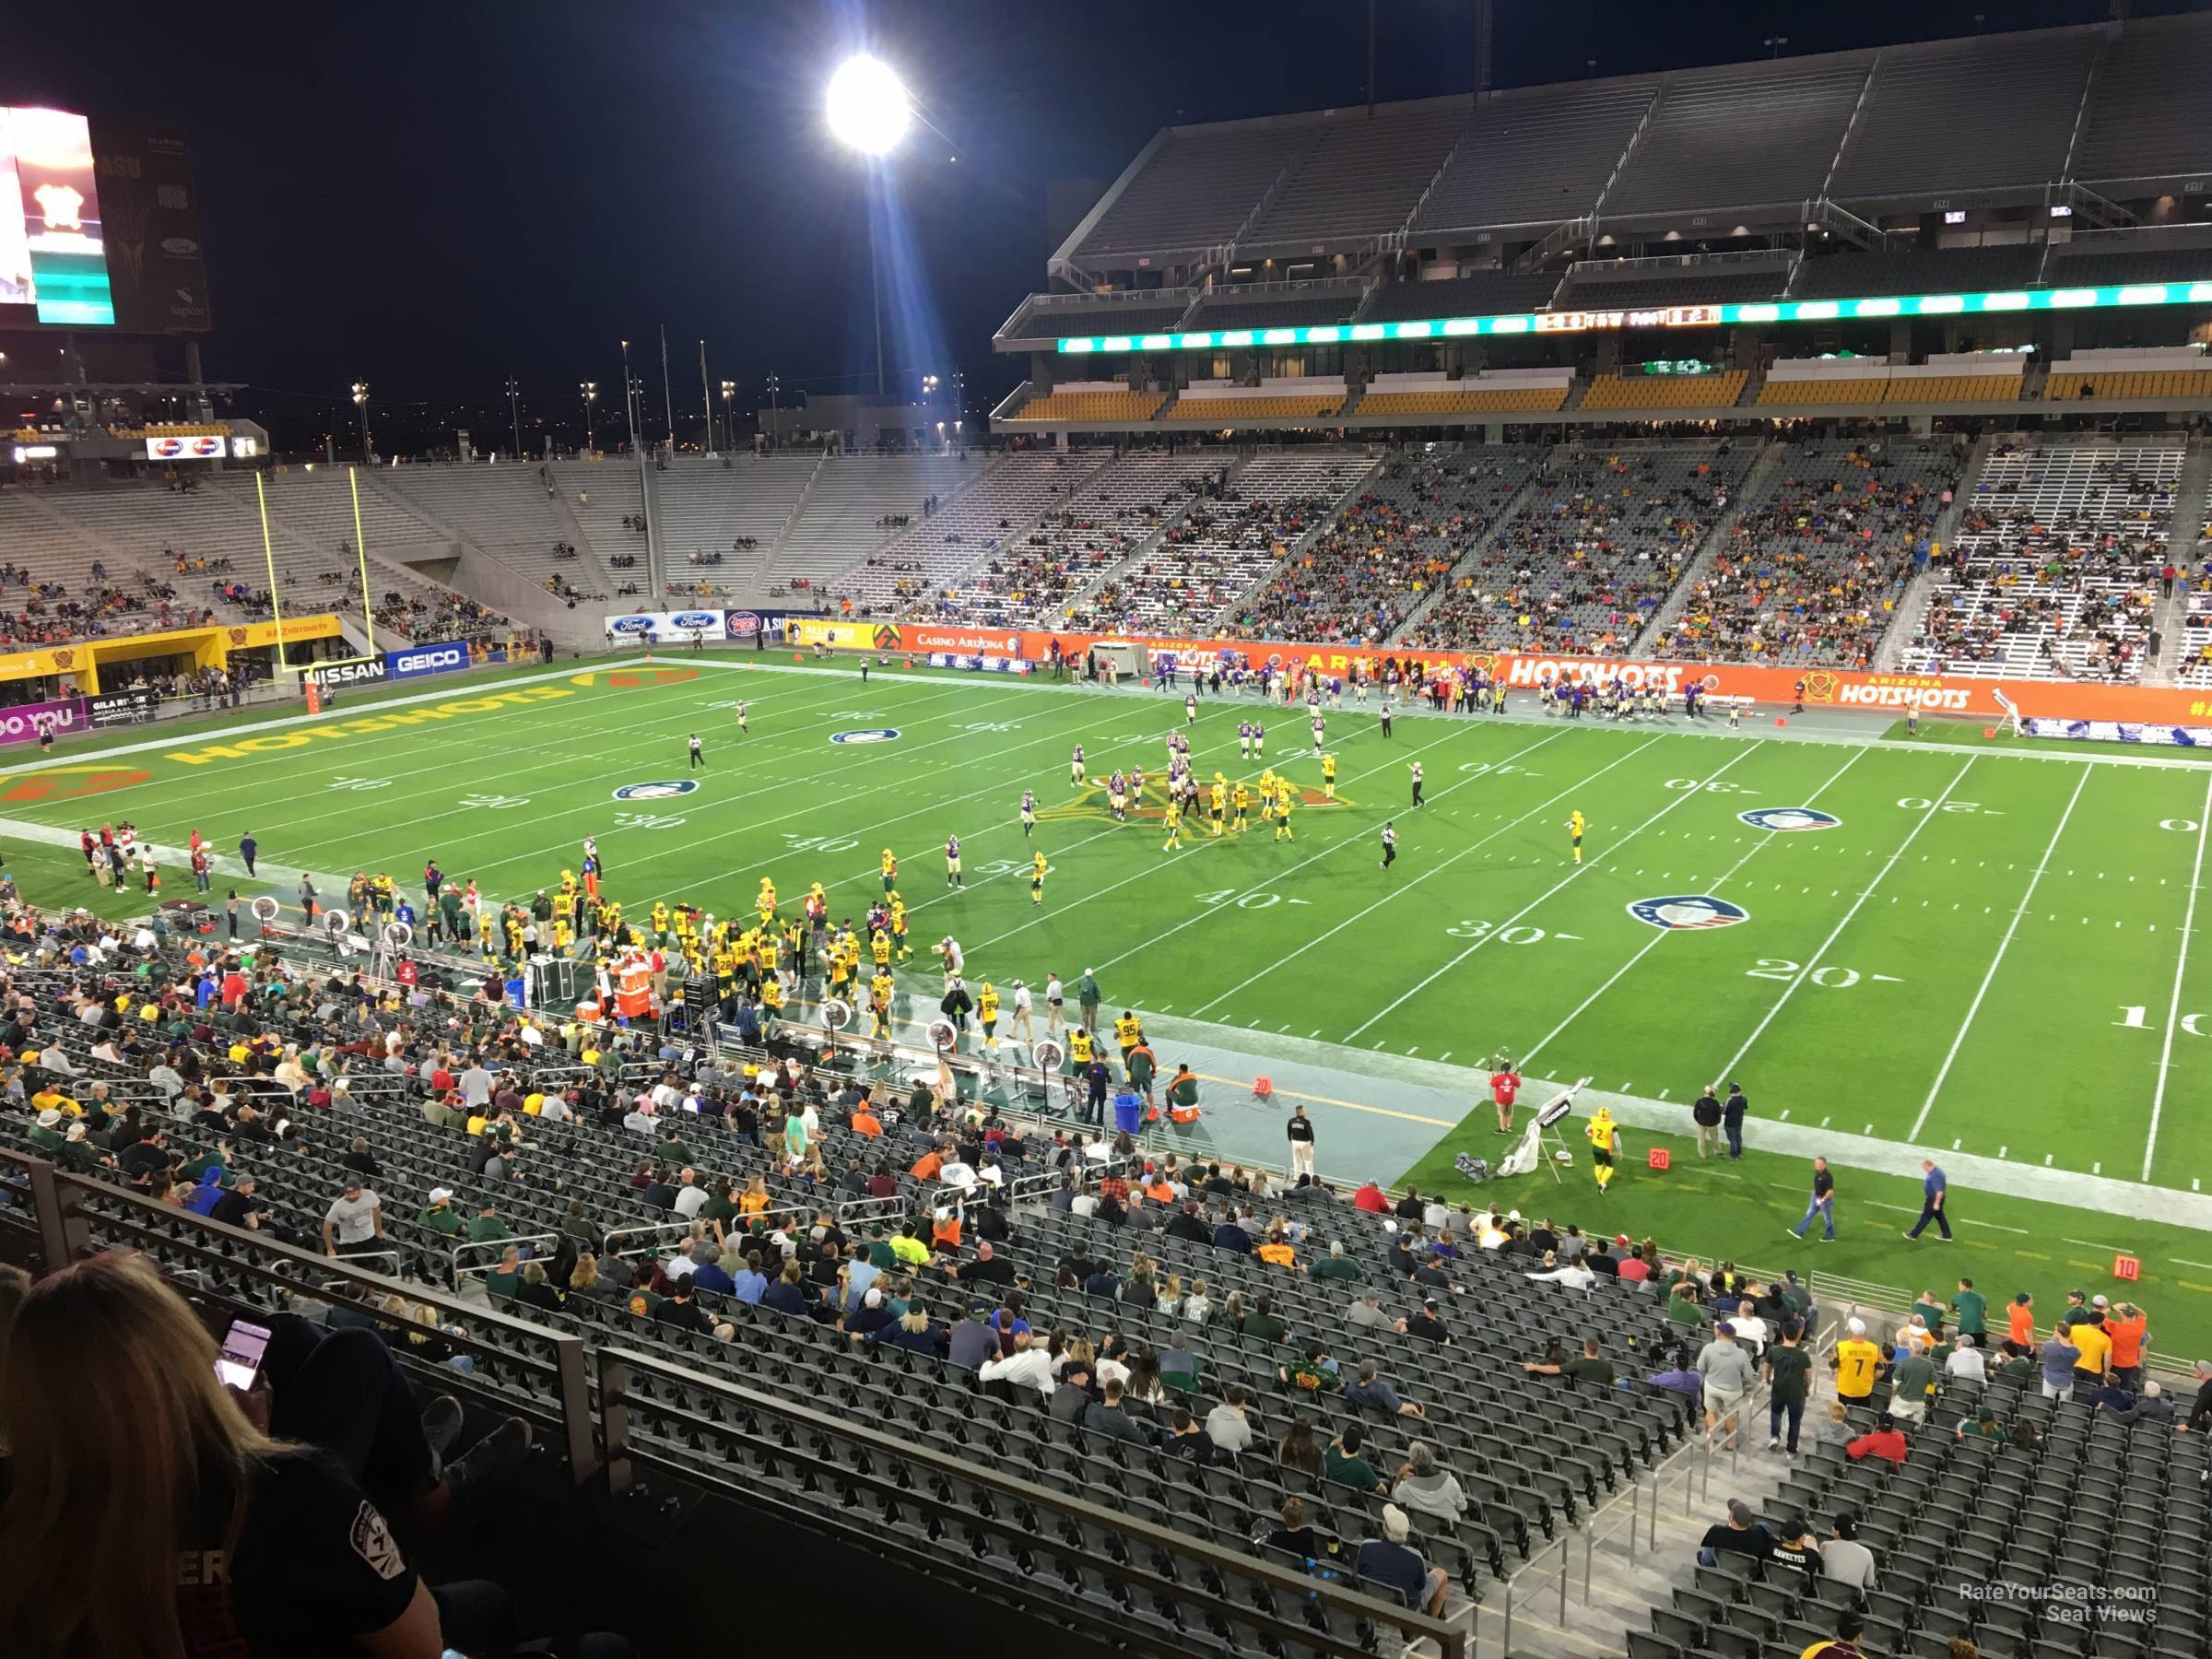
1824 688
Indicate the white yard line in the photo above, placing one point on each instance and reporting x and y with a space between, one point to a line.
1556 886
1432 870
1819 956
1997 962
1652 943
2174 1007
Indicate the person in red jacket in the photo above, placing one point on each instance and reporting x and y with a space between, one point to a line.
1505 1083
1886 1441
1371 1199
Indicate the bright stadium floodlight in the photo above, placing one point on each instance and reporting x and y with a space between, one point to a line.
867 105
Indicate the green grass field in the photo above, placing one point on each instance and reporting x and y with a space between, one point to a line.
1987 955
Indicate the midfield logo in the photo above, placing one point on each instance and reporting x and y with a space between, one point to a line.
1686 912
1789 817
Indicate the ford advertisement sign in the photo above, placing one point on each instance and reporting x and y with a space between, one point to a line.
425 659
696 621
630 625
361 671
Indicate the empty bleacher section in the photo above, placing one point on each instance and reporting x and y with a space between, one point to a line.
1360 577
1916 271
1361 177
310 522
2164 374
1597 285
2089 263
1535 156
1814 564
510 513
1746 136
2054 567
1605 532
1293 307
1479 294
2146 123
1195 190
1032 584
57 583
1984 113
1492 391
1719 390
910 574
847 504
710 506
604 494
1225 546
1963 377
1091 401
1225 403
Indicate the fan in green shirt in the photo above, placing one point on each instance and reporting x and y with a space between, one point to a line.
1311 1374
488 1226
1932 1313
1338 1265
1341 1462
1911 1378
440 1217
1973 1309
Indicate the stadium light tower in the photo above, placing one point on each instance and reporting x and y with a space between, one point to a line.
729 429
869 112
360 404
514 410
591 395
775 412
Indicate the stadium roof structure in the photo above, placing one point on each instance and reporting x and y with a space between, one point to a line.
2077 116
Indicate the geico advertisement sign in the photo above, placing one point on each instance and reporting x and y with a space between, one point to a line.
332 675
425 659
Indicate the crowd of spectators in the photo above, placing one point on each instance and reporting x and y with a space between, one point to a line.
49 613
1812 570
1591 555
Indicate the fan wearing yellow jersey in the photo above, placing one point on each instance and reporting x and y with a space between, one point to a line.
1328 776
1174 820
1574 834
1603 1133
1037 869
890 870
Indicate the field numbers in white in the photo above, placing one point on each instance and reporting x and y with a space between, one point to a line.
2136 1019
1921 804
1254 900
1506 935
1478 769
821 843
992 726
360 783
494 803
2187 826
1829 976
1006 866
1709 785
646 821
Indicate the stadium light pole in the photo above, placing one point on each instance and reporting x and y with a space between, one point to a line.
775 420
630 407
591 395
729 426
360 404
515 411
869 112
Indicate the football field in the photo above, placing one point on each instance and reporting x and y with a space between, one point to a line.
1983 952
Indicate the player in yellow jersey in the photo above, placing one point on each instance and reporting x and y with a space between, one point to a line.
906 951
1243 802
1174 821
879 1002
1574 834
1604 1133
766 902
1079 1050
890 869
1128 1031
1282 815
1037 869
1219 802
1328 776
986 1014
879 950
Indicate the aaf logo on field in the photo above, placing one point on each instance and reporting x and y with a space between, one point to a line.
656 792
866 735
1685 912
1789 817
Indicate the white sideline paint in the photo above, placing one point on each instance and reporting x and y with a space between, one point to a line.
2173 1008
1997 961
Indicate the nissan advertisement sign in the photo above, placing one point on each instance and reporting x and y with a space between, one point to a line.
359 671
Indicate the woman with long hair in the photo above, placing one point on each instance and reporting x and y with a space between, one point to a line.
205 1526
1300 1449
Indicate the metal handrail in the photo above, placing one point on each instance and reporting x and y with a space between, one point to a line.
617 1400
59 1201
499 1247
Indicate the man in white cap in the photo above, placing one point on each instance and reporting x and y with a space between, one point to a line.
1390 1563
1856 1359
1021 1027
46 1134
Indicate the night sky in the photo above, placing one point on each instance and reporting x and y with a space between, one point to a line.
437 196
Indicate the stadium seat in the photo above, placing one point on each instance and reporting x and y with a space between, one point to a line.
1091 406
